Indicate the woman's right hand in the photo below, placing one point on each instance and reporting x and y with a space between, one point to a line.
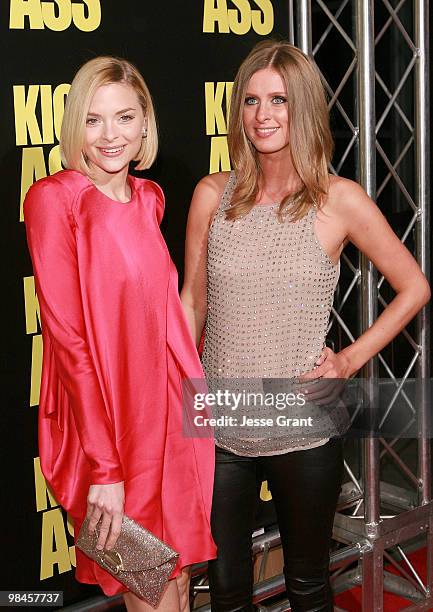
105 504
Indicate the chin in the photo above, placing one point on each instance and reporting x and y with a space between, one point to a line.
269 148
113 167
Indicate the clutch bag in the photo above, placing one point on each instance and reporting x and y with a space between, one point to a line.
139 560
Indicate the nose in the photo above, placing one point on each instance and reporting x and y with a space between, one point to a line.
110 131
263 112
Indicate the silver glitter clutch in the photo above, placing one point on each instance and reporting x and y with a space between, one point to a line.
139 559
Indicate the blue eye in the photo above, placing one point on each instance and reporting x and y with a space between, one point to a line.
91 121
278 100
250 101
126 118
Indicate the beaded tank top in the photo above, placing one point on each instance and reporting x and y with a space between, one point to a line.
270 291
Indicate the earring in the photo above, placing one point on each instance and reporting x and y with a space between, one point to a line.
144 134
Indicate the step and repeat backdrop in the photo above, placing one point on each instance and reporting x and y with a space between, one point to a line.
188 53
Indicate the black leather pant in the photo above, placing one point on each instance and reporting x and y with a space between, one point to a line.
305 486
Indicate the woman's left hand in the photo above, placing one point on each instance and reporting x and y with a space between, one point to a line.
329 365
328 377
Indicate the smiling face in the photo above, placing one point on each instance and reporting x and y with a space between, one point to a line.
114 129
265 112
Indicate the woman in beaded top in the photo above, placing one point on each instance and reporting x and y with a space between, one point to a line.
262 253
116 342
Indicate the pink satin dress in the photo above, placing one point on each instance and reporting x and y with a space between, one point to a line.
116 348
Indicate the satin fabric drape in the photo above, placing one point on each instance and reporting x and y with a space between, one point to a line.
116 348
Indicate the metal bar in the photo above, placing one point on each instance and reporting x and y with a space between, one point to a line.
388 22
398 390
397 179
399 25
367 142
401 527
412 569
337 104
345 555
397 106
265 556
400 462
336 24
422 148
398 437
395 165
392 377
398 498
343 82
422 233
280 606
342 325
425 606
329 26
349 147
340 307
429 580
394 96
291 23
357 507
344 257
372 579
352 476
304 26
372 560
401 587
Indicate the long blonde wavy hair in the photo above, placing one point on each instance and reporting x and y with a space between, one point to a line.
311 142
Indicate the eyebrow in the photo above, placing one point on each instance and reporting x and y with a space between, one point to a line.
274 93
124 110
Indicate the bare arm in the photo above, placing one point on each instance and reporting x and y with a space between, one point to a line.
367 228
204 203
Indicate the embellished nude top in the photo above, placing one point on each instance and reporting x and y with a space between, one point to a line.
270 291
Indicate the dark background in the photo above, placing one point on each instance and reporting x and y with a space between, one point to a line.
165 40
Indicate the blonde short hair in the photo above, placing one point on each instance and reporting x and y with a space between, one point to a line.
94 73
311 142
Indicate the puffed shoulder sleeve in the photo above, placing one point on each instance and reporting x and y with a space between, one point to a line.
160 199
50 231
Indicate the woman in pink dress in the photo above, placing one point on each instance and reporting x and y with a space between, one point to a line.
116 344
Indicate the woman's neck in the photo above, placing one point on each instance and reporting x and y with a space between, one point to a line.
278 177
114 185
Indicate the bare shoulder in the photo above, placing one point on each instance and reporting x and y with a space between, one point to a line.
343 192
349 201
213 184
358 214
207 194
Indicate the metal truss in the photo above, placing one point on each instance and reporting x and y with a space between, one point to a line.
388 124
378 99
